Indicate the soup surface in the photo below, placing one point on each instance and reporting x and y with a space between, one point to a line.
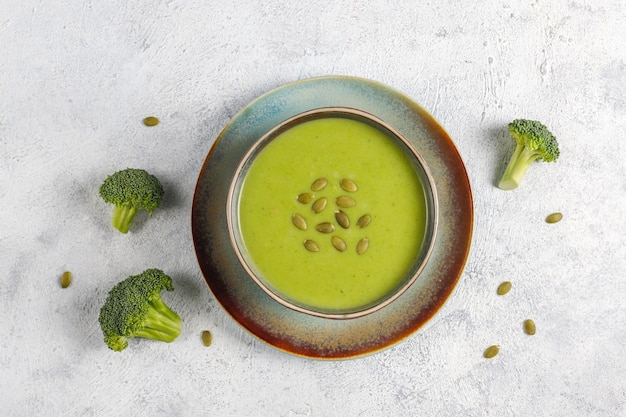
306 251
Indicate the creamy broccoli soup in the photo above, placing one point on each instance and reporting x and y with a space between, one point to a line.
332 214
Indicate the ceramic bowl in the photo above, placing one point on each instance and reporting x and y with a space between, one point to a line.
421 255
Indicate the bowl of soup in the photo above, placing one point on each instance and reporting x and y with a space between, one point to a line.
333 213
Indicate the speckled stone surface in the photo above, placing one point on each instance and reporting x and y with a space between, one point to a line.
76 80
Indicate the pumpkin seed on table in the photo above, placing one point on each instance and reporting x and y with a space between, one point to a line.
66 279
325 227
348 185
342 219
529 327
504 288
299 221
207 338
311 246
150 121
338 243
305 198
319 184
491 351
554 218
319 205
345 202
362 246
363 221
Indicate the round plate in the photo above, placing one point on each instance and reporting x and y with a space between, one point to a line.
299 333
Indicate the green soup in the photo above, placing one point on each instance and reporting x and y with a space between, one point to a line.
388 190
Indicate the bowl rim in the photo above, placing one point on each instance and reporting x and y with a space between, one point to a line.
428 184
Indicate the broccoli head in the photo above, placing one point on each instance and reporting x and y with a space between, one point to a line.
534 142
131 190
134 308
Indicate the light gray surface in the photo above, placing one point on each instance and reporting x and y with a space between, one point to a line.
76 79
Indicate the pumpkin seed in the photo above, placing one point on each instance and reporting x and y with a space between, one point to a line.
207 338
305 198
362 246
504 288
338 243
342 219
311 246
319 184
363 221
325 227
66 279
554 218
151 121
491 351
345 202
529 327
299 221
319 205
348 185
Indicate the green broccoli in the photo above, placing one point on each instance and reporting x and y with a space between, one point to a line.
534 142
131 190
134 308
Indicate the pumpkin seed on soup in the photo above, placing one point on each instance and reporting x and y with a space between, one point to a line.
319 205
362 246
554 218
319 184
338 243
305 198
299 221
348 185
325 227
342 219
345 202
491 351
311 246
363 221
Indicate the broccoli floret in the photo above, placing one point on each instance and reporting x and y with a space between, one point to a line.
534 142
131 190
134 308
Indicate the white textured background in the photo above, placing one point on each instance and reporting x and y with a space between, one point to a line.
76 79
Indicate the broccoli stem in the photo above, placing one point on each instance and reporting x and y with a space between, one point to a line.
123 217
161 323
519 163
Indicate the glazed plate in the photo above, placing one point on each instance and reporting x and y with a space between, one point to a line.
300 333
